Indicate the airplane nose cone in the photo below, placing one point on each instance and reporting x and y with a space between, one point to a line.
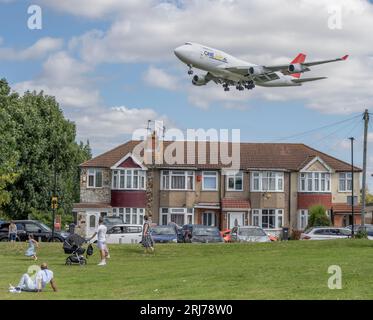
179 52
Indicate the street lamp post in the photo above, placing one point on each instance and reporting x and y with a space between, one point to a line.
352 187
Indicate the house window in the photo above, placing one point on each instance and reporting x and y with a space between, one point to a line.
94 178
314 182
208 219
234 182
180 216
303 219
345 182
131 215
268 218
267 181
209 181
92 221
177 180
129 179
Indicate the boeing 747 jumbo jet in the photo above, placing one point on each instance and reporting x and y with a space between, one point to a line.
227 70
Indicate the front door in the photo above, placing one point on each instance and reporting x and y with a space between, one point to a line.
236 219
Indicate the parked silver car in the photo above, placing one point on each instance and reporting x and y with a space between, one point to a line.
325 233
249 234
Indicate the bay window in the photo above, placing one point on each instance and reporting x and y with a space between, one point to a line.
128 179
130 215
267 181
94 178
209 181
314 182
345 182
235 181
177 180
268 218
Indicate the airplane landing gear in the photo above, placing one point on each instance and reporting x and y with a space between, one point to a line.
190 71
239 87
250 85
226 87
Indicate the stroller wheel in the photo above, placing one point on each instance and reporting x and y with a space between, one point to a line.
68 262
83 262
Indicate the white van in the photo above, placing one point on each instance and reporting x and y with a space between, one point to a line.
123 234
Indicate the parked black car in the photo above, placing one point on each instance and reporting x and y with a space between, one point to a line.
38 229
196 233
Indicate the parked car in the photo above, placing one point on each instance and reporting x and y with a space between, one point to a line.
325 233
367 227
164 234
38 229
249 234
202 234
112 221
123 234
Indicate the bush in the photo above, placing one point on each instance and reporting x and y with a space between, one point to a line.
46 217
361 234
317 217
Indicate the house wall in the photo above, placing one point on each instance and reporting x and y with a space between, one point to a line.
341 197
89 195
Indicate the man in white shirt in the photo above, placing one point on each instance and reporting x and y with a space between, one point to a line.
42 278
101 241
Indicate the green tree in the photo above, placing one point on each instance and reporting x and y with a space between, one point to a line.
8 153
44 142
318 217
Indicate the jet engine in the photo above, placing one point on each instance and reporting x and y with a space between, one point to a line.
199 80
296 68
255 71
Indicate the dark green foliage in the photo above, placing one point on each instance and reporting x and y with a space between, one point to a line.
318 217
40 141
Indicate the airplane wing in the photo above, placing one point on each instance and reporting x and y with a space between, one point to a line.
244 70
308 79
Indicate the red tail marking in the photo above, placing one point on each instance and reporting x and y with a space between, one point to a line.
300 58
345 57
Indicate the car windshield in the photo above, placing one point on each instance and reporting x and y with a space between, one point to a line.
200 231
345 232
163 231
251 232
113 220
45 227
308 230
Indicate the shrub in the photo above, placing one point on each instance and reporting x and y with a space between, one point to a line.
361 234
317 217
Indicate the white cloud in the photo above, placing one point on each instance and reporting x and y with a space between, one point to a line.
159 78
67 79
38 50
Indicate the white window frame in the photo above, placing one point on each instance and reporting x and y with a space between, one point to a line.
122 175
210 174
176 173
235 176
257 214
167 212
302 215
309 179
139 212
95 171
279 177
213 218
346 179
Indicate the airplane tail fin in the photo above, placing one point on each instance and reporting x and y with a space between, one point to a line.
300 58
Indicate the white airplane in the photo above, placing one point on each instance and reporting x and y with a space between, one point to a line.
227 70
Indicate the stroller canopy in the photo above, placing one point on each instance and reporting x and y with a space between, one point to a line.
72 242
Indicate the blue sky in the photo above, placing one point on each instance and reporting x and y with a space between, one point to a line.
111 66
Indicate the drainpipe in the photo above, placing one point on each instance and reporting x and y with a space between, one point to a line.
289 199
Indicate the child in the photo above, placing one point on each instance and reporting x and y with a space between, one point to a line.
31 252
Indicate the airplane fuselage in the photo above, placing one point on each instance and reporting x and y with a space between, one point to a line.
216 63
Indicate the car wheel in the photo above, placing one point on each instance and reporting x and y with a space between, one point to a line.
4 240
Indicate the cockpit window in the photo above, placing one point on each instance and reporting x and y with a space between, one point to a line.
188 44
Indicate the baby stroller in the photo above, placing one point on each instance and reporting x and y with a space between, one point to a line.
73 246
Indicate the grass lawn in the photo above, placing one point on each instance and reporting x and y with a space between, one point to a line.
283 270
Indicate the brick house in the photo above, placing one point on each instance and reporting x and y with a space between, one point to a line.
274 187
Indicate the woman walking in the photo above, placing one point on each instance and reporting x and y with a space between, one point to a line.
31 251
147 240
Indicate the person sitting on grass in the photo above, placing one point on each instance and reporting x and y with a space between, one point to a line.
42 278
31 251
147 240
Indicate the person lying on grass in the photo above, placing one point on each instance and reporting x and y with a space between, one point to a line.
42 278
